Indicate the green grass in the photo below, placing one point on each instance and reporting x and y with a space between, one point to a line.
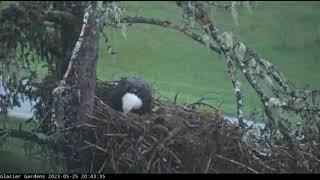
13 158
4 5
286 33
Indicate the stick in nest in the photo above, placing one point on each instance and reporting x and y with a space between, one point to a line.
240 164
96 146
208 164
263 164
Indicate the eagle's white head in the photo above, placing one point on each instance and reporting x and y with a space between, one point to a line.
130 102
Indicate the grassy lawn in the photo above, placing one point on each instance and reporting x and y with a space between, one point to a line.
13 157
286 33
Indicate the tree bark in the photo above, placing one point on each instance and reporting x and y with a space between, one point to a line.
86 68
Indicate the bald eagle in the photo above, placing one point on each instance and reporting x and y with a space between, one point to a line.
132 94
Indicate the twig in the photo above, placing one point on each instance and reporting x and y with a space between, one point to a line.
91 167
219 105
41 121
85 147
172 154
198 101
109 48
117 135
263 164
187 109
191 125
104 164
96 146
208 164
283 151
158 144
151 158
235 162
112 159
72 128
98 119
120 115
204 104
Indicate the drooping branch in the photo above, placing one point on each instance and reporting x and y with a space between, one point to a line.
168 24
107 41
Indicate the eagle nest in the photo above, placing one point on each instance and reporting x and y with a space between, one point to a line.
176 139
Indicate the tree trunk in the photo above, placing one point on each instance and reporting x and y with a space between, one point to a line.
86 68
81 103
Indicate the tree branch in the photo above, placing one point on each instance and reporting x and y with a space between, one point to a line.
225 6
238 54
203 19
272 70
63 18
29 136
168 24
108 46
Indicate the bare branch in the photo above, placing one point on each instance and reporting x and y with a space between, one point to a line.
168 24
